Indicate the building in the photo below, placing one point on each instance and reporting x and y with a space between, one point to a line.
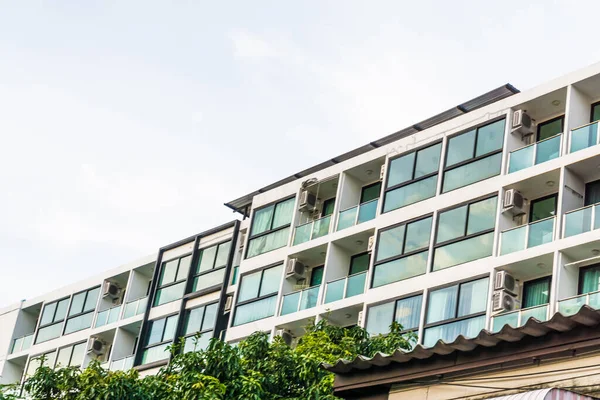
481 216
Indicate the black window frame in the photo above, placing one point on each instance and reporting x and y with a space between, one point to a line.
582 271
255 299
592 106
202 331
354 257
549 121
539 199
81 313
455 319
376 262
312 272
536 280
37 357
387 189
465 236
268 231
473 158
325 203
147 346
72 347
368 186
54 322
196 275
395 301
160 287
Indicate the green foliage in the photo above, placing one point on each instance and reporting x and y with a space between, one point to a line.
256 369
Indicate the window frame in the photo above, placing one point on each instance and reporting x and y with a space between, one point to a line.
37 357
368 186
312 271
474 158
259 298
582 271
54 322
200 252
202 332
416 151
271 230
539 199
146 346
354 257
395 301
536 280
326 203
167 285
455 318
549 121
72 347
466 227
592 106
83 312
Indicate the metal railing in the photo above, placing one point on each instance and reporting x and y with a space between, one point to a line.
358 214
583 137
22 343
581 220
135 307
300 300
108 316
312 230
345 287
535 153
527 236
571 305
520 317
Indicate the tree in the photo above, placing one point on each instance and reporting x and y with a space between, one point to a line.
256 369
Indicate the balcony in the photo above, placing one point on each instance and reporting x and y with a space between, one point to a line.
108 316
535 154
584 137
571 305
135 307
300 300
122 364
582 220
343 288
357 214
527 236
312 230
520 317
22 343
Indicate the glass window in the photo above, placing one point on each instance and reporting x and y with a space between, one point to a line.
402 252
82 310
173 275
199 320
270 227
474 156
406 312
465 233
592 190
258 295
359 263
542 208
316 276
589 279
209 271
370 192
328 206
550 128
160 334
36 362
412 177
456 310
71 356
595 112
536 292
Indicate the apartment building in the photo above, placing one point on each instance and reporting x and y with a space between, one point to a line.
476 218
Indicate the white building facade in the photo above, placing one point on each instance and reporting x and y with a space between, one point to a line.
481 216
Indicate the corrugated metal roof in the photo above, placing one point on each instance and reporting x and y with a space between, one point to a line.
586 316
545 394
492 96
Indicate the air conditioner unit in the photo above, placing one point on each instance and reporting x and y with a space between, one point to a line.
228 303
307 201
111 290
382 172
513 202
359 320
285 335
504 281
295 269
522 123
504 301
97 347
371 243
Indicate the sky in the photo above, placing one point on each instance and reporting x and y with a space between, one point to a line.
125 126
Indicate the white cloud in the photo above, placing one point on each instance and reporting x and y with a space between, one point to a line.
250 46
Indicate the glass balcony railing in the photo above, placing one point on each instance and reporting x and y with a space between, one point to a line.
582 220
358 214
108 316
571 305
345 287
527 236
135 307
22 343
300 300
520 317
312 230
584 137
536 153
122 364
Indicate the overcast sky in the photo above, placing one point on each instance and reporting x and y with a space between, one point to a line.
126 125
